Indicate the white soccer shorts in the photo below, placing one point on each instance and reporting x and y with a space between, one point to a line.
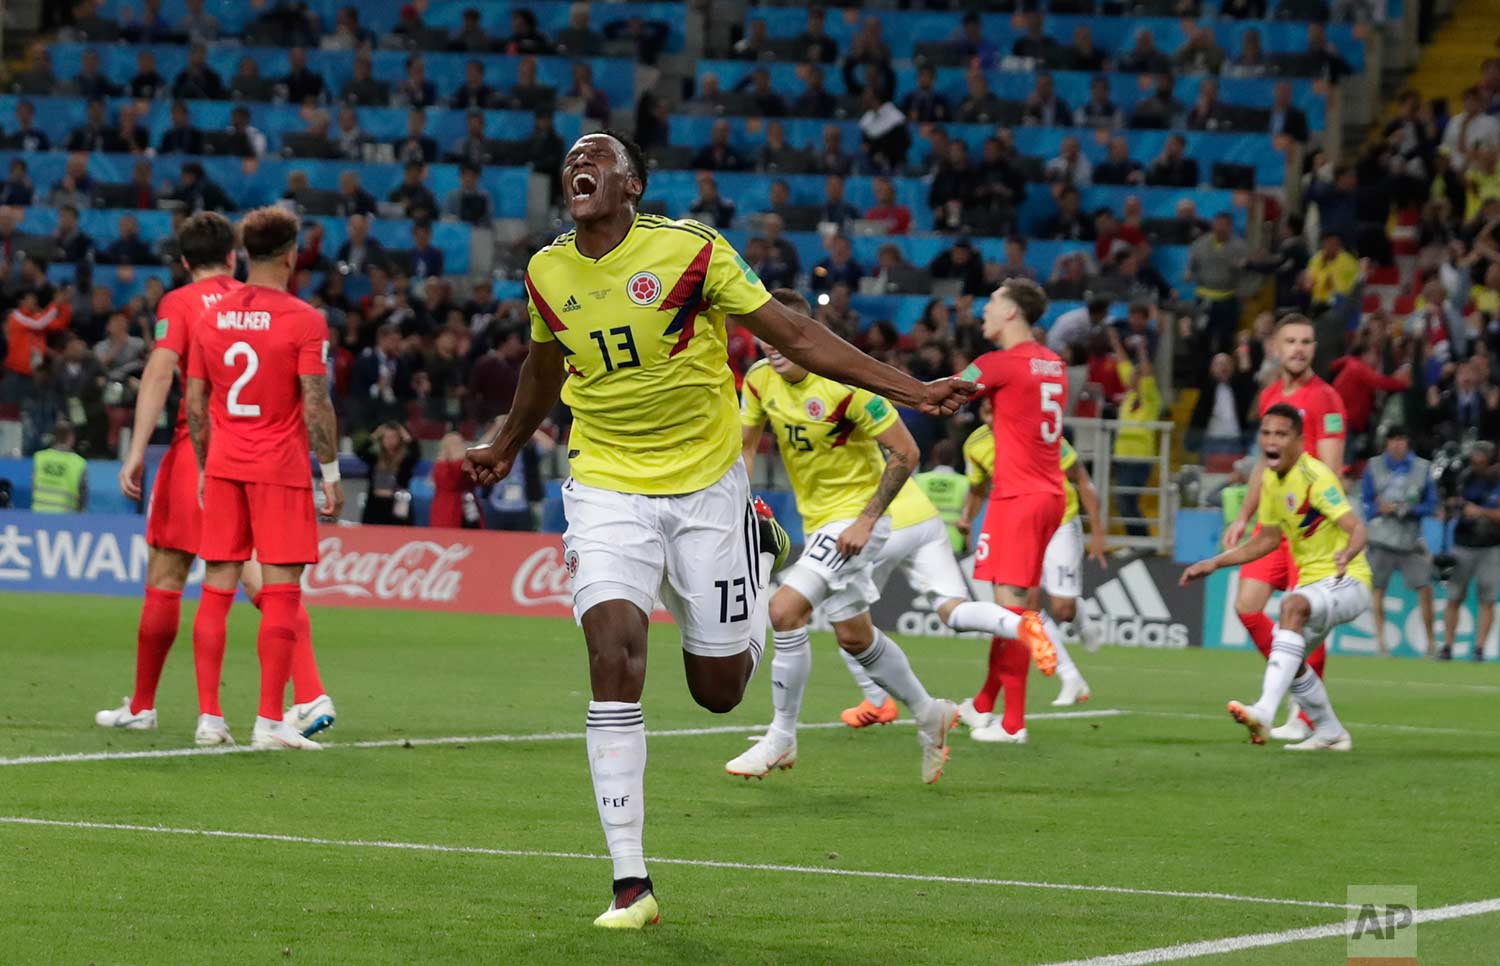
700 552
843 586
925 557
1062 565
1334 601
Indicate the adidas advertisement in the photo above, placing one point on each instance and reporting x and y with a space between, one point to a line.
1134 603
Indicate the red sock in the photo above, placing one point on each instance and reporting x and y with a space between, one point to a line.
306 684
1261 628
153 639
279 604
1015 664
984 701
1318 658
210 628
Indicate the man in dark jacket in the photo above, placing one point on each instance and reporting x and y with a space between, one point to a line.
1221 418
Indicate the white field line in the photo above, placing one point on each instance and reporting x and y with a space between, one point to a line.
698 863
468 740
1353 725
1216 947
1340 680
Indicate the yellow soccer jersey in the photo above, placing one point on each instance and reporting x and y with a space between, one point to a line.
826 433
1307 505
642 331
979 465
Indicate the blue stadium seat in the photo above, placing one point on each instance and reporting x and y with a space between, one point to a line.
551 15
1072 86
615 77
902 30
1207 148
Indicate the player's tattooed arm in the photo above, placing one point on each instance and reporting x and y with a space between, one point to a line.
901 460
317 413
197 418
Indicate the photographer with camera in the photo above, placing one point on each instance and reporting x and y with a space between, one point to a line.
1473 500
1397 493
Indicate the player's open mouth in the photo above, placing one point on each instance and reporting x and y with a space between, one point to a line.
583 186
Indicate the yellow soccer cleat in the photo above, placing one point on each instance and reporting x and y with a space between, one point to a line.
640 910
865 714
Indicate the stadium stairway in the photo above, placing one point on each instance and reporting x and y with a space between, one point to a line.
1451 62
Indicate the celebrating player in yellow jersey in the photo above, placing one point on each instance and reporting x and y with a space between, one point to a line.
864 518
1302 499
627 324
1062 573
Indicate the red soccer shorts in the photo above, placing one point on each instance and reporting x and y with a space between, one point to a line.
1276 568
278 523
174 520
1016 532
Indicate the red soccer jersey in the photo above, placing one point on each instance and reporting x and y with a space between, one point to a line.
1029 389
1322 410
252 347
176 314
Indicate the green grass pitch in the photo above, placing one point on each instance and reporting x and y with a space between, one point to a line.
1166 796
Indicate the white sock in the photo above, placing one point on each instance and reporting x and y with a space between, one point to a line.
616 739
759 621
1288 648
265 723
1065 666
887 665
790 666
874 693
975 615
1308 689
213 719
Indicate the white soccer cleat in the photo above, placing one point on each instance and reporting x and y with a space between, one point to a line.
314 716
932 735
212 731
972 719
771 752
122 717
1075 690
996 734
1295 729
1341 742
279 736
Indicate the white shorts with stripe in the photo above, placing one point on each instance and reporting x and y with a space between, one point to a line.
925 557
843 586
1062 564
700 552
1334 601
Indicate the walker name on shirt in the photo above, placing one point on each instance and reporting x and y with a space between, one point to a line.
245 321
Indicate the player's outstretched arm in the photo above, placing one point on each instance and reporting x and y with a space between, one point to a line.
901 459
323 436
1266 539
813 347
150 400
750 444
197 419
541 382
1088 497
1351 524
1235 532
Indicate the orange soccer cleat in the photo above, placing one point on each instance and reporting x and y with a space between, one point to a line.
865 714
1246 716
1034 636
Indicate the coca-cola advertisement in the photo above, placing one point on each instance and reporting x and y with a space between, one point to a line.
474 571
